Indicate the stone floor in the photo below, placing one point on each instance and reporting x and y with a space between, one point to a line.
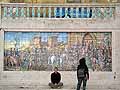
36 81
5 87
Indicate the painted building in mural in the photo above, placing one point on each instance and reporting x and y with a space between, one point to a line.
44 50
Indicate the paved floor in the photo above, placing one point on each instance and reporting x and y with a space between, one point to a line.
4 87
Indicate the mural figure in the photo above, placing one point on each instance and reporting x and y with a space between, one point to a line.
44 50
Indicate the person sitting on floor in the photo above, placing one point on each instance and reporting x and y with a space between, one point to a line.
55 79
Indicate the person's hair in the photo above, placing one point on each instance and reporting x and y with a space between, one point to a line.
56 68
82 62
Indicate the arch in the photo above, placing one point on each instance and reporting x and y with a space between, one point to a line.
89 35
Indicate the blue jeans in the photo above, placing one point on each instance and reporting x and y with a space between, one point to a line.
80 80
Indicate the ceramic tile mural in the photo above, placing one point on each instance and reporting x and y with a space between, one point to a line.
41 51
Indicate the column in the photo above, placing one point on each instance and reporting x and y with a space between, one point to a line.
49 12
44 12
77 12
71 12
0 16
116 53
28 11
55 11
33 12
17 12
1 50
22 12
61 12
66 12
38 11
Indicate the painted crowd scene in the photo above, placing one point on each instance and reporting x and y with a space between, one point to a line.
41 51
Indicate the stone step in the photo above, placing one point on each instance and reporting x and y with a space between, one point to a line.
54 89
36 87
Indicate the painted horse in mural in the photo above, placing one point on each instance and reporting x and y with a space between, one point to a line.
54 60
11 61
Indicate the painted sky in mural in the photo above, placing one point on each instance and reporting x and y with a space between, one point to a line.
41 51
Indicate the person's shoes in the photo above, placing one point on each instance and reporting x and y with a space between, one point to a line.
59 87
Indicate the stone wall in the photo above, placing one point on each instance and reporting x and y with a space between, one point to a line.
41 78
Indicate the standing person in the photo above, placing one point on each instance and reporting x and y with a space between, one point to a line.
55 79
82 74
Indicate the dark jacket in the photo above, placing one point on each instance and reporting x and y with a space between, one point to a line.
83 67
55 77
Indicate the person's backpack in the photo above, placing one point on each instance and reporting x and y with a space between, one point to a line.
81 73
